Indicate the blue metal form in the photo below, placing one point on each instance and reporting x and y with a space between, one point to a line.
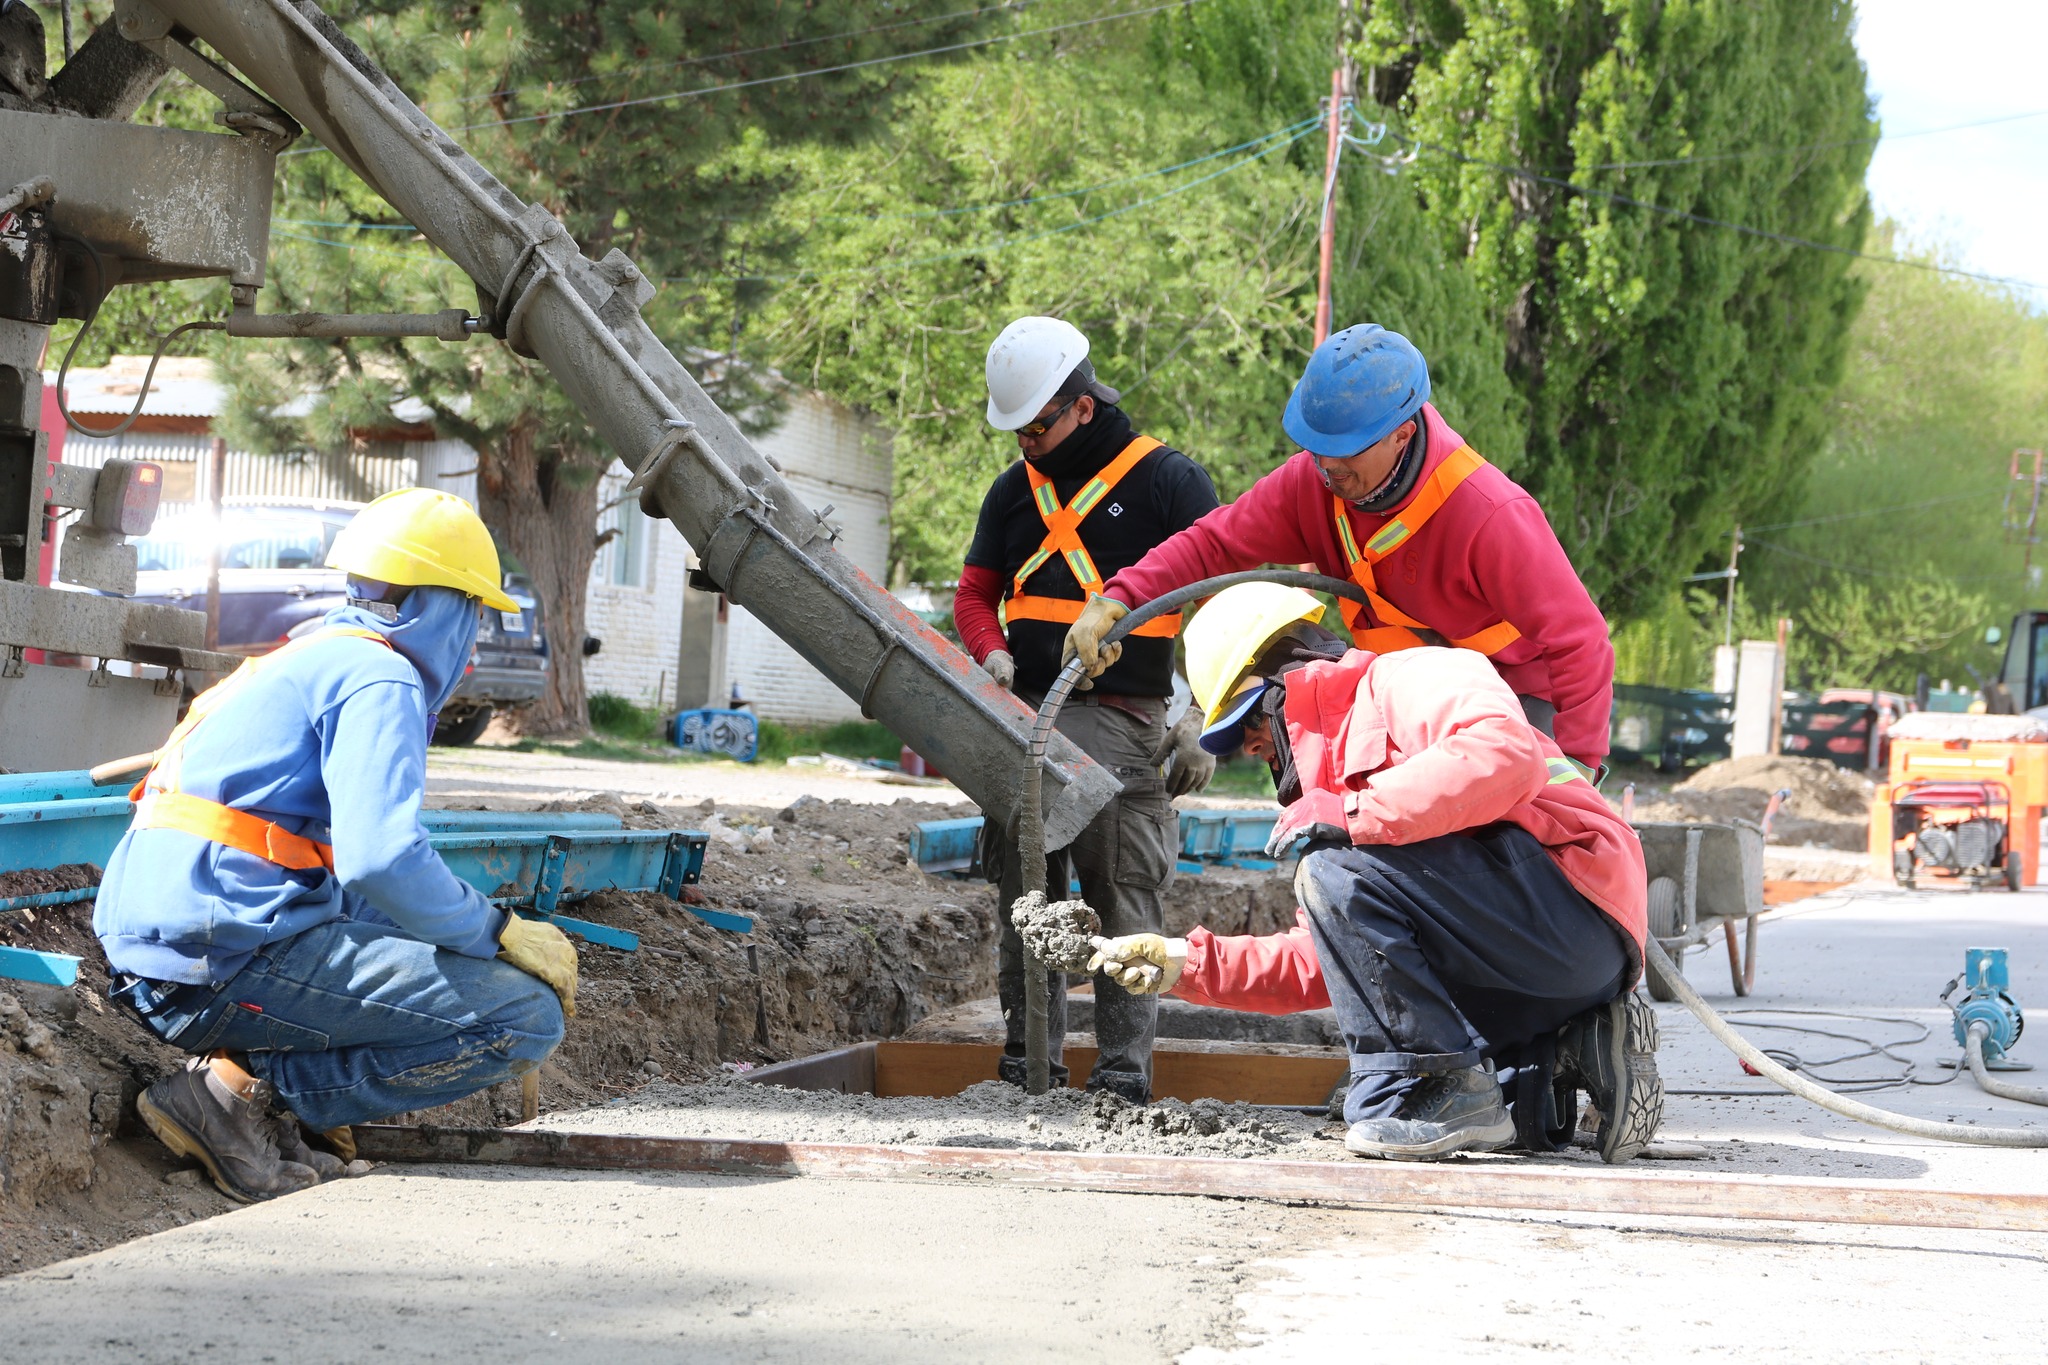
531 861
48 969
946 845
1207 838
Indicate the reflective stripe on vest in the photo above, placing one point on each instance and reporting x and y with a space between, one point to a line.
160 804
1395 629
1563 770
1063 538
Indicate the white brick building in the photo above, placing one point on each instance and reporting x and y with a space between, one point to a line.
665 644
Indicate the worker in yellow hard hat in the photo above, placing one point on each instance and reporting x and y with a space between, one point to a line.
1467 900
275 908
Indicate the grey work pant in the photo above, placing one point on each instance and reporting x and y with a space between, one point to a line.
1124 860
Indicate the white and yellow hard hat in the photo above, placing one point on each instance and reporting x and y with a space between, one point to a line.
420 536
1223 641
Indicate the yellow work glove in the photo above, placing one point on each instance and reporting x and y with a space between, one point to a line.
1084 638
1143 964
540 949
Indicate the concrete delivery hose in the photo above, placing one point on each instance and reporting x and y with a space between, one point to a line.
1660 961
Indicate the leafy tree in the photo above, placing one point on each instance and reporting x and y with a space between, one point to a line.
1026 182
1675 372
570 105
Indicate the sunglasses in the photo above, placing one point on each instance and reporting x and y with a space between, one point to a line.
1045 424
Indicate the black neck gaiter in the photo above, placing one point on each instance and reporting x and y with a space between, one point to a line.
1087 448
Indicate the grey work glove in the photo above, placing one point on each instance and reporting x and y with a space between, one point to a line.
1000 666
1188 765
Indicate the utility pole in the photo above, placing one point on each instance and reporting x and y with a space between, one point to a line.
1342 81
1734 553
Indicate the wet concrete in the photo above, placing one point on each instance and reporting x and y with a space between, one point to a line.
1058 933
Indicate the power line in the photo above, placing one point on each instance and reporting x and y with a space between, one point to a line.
1003 244
1524 173
1811 146
965 46
1879 511
792 44
1865 570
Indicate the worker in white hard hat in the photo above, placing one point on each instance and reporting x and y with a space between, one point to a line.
276 910
1468 903
1089 497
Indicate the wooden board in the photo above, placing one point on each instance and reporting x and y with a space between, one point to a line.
1246 1074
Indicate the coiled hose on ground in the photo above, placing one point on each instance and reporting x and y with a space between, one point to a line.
1031 850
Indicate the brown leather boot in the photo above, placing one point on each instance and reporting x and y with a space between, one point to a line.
197 1115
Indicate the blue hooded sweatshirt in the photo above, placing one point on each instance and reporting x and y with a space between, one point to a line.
329 743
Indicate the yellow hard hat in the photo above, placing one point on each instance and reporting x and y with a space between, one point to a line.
418 536
1228 635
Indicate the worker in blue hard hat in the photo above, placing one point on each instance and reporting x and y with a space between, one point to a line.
1448 549
276 909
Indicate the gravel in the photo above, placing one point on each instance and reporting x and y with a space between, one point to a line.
987 1115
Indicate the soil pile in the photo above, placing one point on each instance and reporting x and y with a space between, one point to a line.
1829 806
990 1114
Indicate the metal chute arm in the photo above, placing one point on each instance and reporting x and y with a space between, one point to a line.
764 548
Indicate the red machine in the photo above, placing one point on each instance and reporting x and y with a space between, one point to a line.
1959 830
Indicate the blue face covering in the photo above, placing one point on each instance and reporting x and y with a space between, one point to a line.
434 628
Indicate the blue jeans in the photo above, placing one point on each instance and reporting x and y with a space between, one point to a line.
355 1020
1445 953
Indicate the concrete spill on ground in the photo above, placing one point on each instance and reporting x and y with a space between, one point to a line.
990 1114
1058 933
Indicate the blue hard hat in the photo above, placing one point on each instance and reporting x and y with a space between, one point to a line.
1359 385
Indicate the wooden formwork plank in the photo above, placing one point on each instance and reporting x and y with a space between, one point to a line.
1447 1186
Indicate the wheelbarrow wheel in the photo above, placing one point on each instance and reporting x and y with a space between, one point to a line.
2014 871
1660 989
1664 917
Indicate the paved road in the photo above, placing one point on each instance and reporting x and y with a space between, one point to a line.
503 1266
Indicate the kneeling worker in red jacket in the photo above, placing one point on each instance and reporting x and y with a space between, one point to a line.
1466 897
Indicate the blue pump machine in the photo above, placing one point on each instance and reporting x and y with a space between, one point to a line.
1987 1000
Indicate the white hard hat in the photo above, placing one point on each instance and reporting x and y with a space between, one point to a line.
1026 366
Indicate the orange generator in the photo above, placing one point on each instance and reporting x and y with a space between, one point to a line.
1938 747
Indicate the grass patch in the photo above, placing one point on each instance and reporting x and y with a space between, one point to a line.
1242 777
848 739
617 718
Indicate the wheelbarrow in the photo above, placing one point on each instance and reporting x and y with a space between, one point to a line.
1705 879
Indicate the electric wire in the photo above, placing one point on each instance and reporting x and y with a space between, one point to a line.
1809 147
1786 238
1816 1068
964 46
1003 243
789 46
1879 511
99 268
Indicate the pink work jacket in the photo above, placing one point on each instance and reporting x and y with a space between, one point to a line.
1418 744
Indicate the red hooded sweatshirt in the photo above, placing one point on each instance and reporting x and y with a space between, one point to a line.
1487 555
1417 744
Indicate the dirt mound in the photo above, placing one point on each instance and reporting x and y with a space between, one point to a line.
851 941
1829 806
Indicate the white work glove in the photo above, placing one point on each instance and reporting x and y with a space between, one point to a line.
1143 964
1000 666
1188 765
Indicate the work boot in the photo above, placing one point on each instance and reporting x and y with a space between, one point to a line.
1129 1086
1459 1111
1610 1052
196 1115
292 1146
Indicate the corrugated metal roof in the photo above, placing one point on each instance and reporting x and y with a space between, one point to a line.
184 386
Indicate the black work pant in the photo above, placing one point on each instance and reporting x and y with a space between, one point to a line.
1124 860
1445 953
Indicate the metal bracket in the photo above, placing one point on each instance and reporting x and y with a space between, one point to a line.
12 667
451 324
247 112
169 685
101 676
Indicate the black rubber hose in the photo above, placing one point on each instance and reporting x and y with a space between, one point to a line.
1031 819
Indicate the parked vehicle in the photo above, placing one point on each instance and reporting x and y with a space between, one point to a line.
274 586
1836 726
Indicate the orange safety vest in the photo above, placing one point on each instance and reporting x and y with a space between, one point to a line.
1395 629
1063 537
159 804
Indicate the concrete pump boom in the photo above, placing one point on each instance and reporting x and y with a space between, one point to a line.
757 540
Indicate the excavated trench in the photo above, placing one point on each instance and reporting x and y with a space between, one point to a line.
851 942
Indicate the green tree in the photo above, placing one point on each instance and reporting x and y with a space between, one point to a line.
1675 372
617 117
1026 181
